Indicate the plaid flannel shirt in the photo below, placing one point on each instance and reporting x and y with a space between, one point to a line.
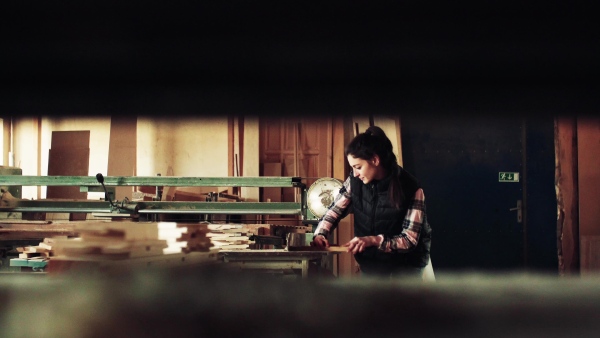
411 226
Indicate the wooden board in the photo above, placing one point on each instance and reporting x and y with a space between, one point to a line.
175 260
72 162
122 151
318 248
69 155
35 230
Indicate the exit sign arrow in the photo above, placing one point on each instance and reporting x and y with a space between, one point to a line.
507 176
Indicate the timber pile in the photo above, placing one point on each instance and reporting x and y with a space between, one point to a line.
116 240
37 255
237 236
128 244
42 250
184 237
233 236
112 240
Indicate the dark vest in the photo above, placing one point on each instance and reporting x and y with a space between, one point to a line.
374 214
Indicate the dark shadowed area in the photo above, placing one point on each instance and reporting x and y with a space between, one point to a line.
212 301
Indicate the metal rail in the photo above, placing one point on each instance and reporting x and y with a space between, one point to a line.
171 181
149 207
87 183
235 208
57 206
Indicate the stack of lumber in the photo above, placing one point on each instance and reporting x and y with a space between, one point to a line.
36 256
230 236
109 244
184 237
112 240
236 236
43 249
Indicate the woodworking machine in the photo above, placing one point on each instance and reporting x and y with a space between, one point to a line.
312 205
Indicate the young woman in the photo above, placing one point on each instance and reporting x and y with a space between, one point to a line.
393 237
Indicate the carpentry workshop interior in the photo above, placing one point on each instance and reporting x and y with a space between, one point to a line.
238 198
248 193
164 167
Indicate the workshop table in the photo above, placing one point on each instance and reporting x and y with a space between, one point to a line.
272 259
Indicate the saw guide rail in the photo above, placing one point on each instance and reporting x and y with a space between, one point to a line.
137 208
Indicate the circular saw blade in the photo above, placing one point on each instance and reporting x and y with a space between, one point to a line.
321 194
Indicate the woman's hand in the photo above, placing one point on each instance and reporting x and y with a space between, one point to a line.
320 241
359 244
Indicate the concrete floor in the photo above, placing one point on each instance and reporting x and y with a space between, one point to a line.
213 302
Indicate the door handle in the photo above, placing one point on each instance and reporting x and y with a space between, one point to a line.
519 210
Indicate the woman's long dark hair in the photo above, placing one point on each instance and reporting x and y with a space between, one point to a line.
374 142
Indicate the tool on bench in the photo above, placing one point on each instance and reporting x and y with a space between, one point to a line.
301 242
262 240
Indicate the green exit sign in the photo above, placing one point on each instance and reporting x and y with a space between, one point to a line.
508 177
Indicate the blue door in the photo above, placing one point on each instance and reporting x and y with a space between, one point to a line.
472 171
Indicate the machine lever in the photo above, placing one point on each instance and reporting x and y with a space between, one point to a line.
100 179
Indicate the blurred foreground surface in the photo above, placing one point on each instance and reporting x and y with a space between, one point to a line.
211 301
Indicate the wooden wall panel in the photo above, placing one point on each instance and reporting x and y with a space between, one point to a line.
289 135
273 138
565 139
590 255
345 265
588 150
301 146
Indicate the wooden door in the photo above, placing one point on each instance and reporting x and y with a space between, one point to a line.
300 147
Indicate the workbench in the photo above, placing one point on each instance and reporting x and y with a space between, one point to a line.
272 259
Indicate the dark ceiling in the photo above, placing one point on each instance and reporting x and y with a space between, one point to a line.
312 56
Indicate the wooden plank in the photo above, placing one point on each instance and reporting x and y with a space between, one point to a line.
126 230
34 234
70 139
230 148
270 265
109 249
271 254
71 162
37 225
57 265
69 155
122 151
332 248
